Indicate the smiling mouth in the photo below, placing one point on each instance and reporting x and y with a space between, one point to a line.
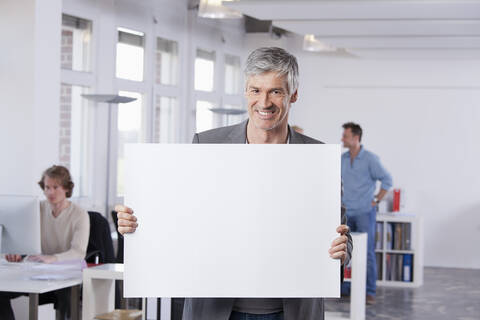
266 114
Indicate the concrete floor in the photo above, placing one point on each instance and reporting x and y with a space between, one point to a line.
446 294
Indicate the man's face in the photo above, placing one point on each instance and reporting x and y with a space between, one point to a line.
268 100
53 190
349 139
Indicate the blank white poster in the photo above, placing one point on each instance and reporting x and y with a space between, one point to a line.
232 220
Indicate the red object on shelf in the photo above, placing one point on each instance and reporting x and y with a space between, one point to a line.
89 265
396 200
347 273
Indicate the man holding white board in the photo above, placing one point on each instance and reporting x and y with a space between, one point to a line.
271 88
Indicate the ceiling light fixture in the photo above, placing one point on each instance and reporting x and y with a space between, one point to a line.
213 9
314 45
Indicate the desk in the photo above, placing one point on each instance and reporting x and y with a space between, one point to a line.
99 289
15 277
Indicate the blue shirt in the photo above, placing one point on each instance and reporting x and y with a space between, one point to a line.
359 180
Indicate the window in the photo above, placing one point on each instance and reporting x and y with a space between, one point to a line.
236 115
130 130
166 62
221 107
75 47
165 108
232 75
204 70
130 54
74 135
204 116
166 91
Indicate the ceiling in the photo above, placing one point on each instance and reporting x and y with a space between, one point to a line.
423 28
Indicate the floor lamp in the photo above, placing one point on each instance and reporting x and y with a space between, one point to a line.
110 99
227 112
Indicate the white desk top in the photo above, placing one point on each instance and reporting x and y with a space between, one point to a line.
105 271
16 277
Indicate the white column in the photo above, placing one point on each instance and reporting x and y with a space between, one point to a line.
359 276
29 91
106 39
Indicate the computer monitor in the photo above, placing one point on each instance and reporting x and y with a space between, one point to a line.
20 224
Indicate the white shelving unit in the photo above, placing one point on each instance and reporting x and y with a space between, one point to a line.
416 248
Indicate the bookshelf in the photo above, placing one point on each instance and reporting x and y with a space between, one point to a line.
399 249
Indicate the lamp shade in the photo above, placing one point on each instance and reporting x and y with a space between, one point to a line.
314 45
213 9
108 98
227 111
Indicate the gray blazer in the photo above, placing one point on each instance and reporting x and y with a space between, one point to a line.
221 308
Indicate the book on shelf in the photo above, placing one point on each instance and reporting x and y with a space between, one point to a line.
407 236
407 268
389 234
399 267
379 236
388 271
378 255
399 236
394 267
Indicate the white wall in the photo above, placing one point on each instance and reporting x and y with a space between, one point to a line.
29 105
421 117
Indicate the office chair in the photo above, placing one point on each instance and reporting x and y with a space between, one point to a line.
119 258
100 244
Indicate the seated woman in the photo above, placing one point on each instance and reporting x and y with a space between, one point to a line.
65 228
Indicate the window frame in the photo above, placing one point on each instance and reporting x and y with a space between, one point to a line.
141 87
168 90
87 80
218 97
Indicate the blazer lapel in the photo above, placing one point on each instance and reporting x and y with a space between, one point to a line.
238 133
295 138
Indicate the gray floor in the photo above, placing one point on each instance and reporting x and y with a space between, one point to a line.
450 294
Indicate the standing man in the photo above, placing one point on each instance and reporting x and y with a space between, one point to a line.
271 88
361 169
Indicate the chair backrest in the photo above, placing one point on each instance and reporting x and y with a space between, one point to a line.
119 237
100 239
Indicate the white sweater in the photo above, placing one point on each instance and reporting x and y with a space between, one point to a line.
65 236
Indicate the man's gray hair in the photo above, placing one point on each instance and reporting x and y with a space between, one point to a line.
274 59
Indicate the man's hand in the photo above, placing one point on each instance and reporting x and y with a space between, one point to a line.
374 203
338 250
43 258
127 222
13 257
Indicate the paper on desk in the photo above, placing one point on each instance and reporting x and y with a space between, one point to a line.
62 270
57 276
61 265
232 220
